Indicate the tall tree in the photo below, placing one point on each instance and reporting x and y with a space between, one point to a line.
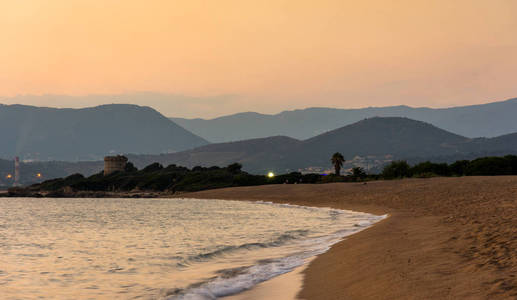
337 160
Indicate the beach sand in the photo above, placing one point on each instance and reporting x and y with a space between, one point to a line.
283 287
446 238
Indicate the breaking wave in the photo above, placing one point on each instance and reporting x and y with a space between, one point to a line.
232 281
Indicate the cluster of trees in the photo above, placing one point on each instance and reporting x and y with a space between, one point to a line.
155 177
484 166
174 178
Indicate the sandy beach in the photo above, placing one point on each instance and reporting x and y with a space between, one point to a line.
446 238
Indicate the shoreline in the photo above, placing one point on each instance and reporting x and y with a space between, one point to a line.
283 287
287 284
446 238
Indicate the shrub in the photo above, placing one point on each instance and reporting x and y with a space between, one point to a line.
153 167
130 167
396 169
234 168
489 166
459 168
358 173
441 169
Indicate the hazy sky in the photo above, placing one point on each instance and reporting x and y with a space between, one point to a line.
226 56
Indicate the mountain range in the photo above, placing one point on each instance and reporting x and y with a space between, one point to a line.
145 136
368 143
485 120
41 133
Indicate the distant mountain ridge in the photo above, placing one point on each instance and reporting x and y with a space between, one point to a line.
370 141
256 155
90 133
485 120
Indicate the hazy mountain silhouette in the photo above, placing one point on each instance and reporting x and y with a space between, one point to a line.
257 155
378 138
486 120
372 141
400 137
89 133
500 144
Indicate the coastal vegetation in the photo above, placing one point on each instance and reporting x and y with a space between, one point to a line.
170 179
173 179
483 166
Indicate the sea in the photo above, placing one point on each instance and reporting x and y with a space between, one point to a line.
80 248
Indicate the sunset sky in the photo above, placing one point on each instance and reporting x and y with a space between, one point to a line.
209 58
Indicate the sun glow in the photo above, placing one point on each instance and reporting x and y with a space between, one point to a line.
270 174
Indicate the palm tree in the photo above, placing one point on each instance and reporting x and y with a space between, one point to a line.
337 160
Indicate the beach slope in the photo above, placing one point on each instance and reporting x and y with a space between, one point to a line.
446 238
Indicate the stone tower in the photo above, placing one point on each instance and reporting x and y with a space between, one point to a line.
114 163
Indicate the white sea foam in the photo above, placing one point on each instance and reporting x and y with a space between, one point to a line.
231 282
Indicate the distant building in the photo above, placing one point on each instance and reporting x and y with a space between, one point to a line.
114 163
16 171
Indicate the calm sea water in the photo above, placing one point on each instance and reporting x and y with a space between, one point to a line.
157 248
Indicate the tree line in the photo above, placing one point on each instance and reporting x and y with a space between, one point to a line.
175 178
483 166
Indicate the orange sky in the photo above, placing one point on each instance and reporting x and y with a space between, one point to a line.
260 55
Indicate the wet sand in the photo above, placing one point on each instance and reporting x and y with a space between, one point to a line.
283 287
446 238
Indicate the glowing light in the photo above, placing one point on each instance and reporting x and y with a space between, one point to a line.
270 174
9 176
38 175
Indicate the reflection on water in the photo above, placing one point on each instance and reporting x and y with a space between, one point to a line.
155 248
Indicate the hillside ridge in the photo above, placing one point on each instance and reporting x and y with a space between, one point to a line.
470 121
